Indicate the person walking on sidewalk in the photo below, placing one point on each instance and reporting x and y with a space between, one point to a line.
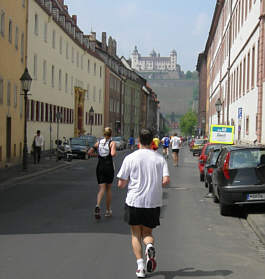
145 172
175 143
38 143
106 149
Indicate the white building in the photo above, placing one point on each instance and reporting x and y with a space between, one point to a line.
68 76
154 62
235 68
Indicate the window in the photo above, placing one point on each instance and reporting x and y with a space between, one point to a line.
60 79
35 66
94 94
67 51
66 82
15 96
16 38
73 59
44 71
42 111
244 76
52 82
95 68
2 23
87 93
247 125
72 85
37 111
88 66
81 58
21 104
53 38
61 45
248 71
253 68
77 59
240 79
22 48
36 25
10 31
8 97
45 33
99 96
1 91
100 71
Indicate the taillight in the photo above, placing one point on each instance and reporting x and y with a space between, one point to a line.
226 166
210 170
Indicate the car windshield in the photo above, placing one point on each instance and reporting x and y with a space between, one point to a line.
247 158
78 141
215 156
199 141
116 138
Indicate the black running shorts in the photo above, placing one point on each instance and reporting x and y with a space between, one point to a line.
148 217
175 150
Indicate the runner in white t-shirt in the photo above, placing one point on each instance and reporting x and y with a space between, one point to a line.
145 171
175 143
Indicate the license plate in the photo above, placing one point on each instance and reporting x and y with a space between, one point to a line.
256 197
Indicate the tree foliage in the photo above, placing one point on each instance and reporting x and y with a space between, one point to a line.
188 123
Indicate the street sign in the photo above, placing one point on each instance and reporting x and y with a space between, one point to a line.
239 113
222 134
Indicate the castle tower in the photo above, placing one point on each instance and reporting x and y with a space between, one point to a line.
135 58
173 60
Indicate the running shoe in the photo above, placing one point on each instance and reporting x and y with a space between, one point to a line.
140 273
108 213
97 212
150 259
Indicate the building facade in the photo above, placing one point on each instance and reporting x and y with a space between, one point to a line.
13 37
68 75
235 68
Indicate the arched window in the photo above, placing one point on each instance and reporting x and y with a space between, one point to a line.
36 24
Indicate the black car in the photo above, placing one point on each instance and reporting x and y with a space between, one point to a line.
239 177
209 164
80 147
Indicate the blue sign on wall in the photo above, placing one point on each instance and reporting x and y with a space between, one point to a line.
239 113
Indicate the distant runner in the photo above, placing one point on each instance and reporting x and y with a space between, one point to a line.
165 142
175 143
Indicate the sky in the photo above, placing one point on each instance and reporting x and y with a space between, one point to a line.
162 25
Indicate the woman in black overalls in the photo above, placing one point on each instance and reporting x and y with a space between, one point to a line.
105 170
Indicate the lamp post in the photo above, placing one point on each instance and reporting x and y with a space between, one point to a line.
91 118
218 107
25 85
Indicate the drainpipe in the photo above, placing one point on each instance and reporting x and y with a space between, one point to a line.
229 62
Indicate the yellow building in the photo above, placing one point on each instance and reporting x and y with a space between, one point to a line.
12 60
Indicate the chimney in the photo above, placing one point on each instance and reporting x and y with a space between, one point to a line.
74 18
114 47
92 41
110 45
104 41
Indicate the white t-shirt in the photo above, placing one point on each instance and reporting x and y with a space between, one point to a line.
145 170
175 141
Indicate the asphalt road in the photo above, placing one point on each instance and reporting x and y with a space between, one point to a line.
48 231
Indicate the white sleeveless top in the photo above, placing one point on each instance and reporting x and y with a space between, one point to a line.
104 147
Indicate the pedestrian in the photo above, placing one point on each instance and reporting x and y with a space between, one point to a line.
175 143
131 143
106 150
145 172
165 142
37 145
156 141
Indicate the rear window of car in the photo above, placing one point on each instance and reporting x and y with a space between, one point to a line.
78 141
246 158
209 147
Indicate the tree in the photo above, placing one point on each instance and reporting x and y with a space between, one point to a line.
188 123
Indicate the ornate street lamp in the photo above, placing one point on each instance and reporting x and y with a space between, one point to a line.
25 84
91 118
218 107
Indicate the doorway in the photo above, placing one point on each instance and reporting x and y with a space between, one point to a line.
8 138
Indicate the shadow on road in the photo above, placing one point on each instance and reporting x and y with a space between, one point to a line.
191 272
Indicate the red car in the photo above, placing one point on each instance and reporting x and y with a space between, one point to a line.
203 157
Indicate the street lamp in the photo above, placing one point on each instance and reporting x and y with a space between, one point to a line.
25 85
218 107
91 118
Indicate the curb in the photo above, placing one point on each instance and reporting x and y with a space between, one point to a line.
8 183
256 222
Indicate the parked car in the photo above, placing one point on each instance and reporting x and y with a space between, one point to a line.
80 147
91 140
122 142
203 157
208 167
239 177
197 146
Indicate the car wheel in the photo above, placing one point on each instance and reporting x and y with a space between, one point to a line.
225 210
201 177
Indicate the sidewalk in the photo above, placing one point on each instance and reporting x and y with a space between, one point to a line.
257 223
13 174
